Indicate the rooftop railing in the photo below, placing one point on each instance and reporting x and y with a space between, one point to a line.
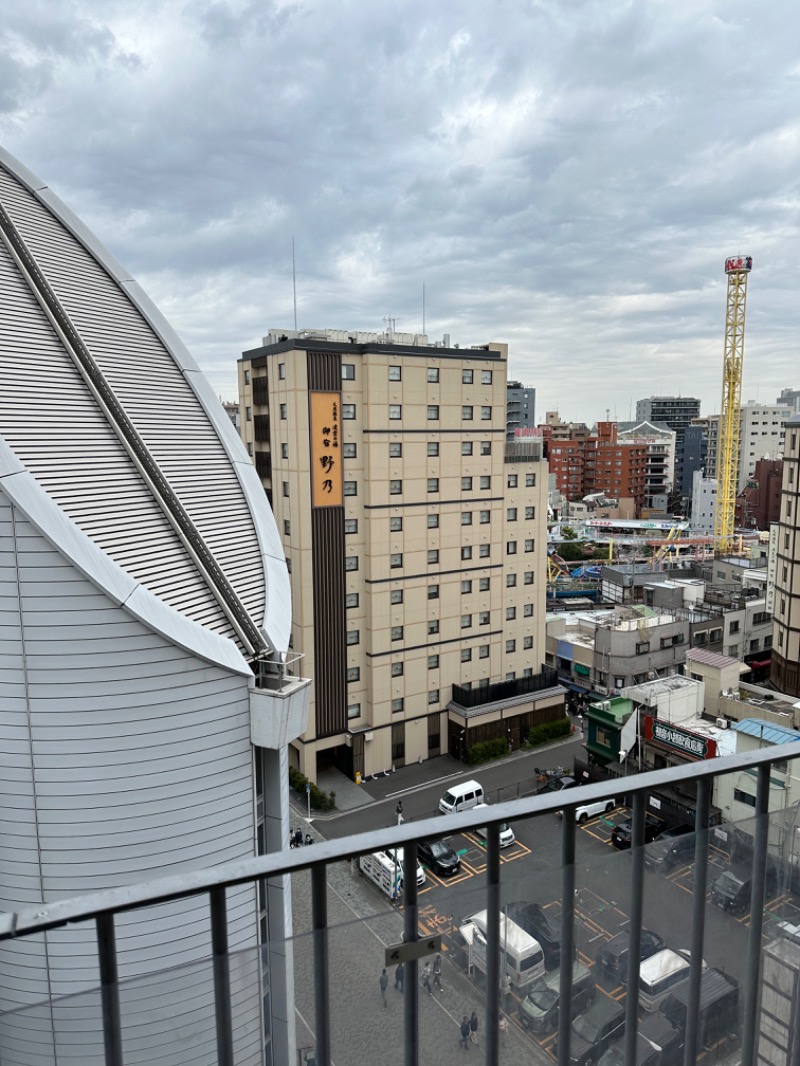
324 950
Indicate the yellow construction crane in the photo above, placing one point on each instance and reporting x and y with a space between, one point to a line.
737 267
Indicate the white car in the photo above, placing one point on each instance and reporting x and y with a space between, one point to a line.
507 837
592 810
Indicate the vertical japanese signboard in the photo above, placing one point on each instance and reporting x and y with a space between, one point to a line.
326 449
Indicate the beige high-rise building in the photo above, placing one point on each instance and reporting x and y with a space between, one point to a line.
785 673
415 535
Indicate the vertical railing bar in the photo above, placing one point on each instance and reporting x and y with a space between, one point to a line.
493 944
702 813
411 969
635 927
319 932
222 975
109 989
753 966
567 934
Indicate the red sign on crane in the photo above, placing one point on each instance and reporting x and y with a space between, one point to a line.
736 263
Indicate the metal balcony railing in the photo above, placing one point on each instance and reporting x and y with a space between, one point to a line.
105 908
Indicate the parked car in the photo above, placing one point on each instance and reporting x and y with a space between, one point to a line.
506 833
622 833
538 1012
545 927
733 889
592 810
658 1043
667 852
439 857
612 958
601 1023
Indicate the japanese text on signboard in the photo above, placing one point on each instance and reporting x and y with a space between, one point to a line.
326 460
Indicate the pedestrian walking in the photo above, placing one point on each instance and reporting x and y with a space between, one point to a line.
473 1028
464 1042
505 992
426 978
384 982
437 973
400 976
399 812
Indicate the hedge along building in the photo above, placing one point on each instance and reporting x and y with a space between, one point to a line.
144 621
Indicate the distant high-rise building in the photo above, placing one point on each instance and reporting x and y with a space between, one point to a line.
660 441
758 505
761 435
520 408
676 412
790 398
694 455
704 502
415 534
785 673
585 463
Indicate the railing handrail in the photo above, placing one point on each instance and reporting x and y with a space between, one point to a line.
46 916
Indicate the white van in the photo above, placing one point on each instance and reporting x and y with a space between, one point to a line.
395 856
659 974
524 957
506 832
461 797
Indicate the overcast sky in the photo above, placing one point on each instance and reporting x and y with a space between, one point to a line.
566 176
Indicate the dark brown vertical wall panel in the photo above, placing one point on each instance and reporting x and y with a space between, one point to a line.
327 536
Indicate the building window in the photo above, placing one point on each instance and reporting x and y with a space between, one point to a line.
397 632
466 551
486 481
433 412
530 512
484 584
395 487
353 710
466 447
351 525
282 371
466 414
486 516
483 651
486 377
484 618
486 414
397 705
433 696
744 797
348 372
351 562
395 411
466 621
486 447
528 671
396 560
287 528
395 373
484 551
511 645
433 662
466 518
511 514
433 521
511 614
466 587
530 481
529 544
433 484
466 655
395 451
466 377
397 669
527 643
466 484
397 596
511 581
433 556
433 449
433 374
351 488
349 451
353 636
433 627
353 673
395 525
284 451
351 599
433 592
348 410
512 481
528 610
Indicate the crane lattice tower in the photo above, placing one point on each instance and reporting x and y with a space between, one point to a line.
737 268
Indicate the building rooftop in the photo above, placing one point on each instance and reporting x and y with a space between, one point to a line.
773 734
710 658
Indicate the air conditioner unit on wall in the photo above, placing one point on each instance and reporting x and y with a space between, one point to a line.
369 736
721 723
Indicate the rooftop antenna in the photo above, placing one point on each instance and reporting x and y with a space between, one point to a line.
294 287
423 307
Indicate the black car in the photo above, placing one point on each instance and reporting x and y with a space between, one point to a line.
667 852
732 890
544 927
439 857
653 827
658 1043
594 1030
612 958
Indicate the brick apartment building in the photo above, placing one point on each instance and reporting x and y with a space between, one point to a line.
585 463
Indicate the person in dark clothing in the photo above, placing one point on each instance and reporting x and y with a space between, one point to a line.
298 837
437 973
384 982
473 1028
400 976
464 1042
426 978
